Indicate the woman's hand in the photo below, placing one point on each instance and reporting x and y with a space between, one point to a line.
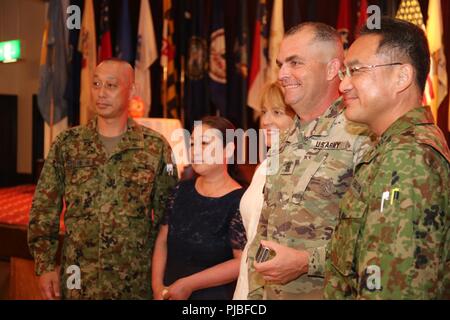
160 292
179 290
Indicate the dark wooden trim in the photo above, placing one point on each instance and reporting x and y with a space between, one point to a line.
8 139
14 242
23 178
38 141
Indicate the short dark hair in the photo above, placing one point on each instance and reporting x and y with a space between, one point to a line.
404 39
322 31
220 123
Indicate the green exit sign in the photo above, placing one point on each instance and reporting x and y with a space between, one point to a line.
9 51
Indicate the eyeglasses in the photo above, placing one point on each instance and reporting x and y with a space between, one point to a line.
97 84
350 71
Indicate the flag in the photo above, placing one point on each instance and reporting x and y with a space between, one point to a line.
54 65
105 47
181 40
217 59
73 84
196 85
87 46
292 16
344 22
410 11
169 96
312 10
259 56
123 42
362 16
146 54
276 35
438 71
237 83
448 120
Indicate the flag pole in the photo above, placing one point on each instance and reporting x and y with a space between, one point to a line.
52 114
164 92
182 89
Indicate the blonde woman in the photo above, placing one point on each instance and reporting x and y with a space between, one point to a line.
276 118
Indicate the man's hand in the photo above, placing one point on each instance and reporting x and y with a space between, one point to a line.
287 265
179 290
49 285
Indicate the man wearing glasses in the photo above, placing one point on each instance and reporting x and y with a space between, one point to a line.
392 240
114 177
316 161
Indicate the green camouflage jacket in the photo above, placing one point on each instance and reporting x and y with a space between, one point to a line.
113 207
393 237
301 198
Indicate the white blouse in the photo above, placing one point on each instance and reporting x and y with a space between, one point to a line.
250 207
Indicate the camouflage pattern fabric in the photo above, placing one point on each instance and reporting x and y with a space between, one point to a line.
393 239
301 199
113 207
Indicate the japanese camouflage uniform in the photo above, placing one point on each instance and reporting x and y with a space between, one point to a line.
393 237
301 198
114 204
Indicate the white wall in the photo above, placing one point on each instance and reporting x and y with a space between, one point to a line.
24 20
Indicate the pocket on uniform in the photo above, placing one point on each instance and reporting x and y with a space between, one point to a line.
80 191
343 246
81 175
140 174
137 184
305 179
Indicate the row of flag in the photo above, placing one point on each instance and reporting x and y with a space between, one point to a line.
436 88
191 89
61 47
203 71
437 83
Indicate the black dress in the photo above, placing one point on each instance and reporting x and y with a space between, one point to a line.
203 232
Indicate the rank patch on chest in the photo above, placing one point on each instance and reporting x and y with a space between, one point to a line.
287 167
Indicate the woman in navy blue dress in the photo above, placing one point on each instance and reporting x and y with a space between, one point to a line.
198 249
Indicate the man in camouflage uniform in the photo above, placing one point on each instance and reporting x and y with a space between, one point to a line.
393 239
316 160
114 177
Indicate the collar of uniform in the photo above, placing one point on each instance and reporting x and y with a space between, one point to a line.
417 116
318 127
294 131
321 126
132 139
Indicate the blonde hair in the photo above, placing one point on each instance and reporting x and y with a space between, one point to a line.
272 96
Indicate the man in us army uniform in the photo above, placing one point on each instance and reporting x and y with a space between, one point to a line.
114 177
316 162
393 239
